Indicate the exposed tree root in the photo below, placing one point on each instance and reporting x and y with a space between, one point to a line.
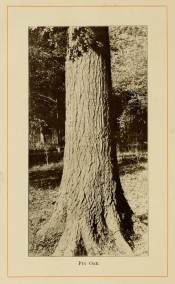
97 235
123 248
92 220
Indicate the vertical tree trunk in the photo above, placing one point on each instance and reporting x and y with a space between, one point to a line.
93 209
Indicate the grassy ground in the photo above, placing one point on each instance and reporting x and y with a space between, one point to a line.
44 189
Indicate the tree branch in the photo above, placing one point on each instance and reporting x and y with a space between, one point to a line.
55 101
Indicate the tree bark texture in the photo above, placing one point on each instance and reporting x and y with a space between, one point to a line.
96 217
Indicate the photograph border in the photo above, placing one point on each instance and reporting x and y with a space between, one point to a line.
167 138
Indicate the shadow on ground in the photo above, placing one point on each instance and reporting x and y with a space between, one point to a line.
44 176
131 165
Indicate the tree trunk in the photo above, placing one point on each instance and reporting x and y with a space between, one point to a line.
95 216
58 123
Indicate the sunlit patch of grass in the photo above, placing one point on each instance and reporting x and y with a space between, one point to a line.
46 167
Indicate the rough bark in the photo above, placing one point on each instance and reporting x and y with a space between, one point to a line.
96 217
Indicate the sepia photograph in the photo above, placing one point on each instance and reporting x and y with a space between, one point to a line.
86 178
88 141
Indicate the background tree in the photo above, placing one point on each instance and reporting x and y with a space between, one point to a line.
47 49
92 214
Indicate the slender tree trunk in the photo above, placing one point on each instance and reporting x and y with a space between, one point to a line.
95 216
60 118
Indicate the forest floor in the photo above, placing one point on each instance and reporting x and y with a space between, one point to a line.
44 187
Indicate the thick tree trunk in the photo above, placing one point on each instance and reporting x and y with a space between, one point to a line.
95 215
